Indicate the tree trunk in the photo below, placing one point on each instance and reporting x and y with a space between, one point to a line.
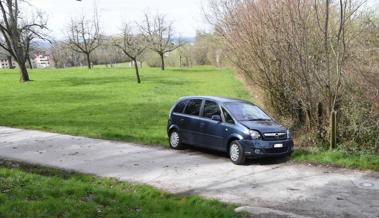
10 64
333 130
326 48
162 60
30 62
88 61
137 72
24 76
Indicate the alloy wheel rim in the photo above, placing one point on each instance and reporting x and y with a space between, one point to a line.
174 139
234 152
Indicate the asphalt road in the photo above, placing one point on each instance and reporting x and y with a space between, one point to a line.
265 188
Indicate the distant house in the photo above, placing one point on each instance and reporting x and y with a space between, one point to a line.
42 60
4 63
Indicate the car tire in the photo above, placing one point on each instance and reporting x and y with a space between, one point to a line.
175 140
236 153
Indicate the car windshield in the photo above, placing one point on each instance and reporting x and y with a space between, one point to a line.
246 112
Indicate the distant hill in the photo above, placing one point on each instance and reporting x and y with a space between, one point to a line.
44 45
41 44
188 39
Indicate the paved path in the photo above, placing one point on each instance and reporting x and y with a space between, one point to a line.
270 190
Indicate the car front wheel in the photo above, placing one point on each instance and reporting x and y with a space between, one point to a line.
236 153
175 140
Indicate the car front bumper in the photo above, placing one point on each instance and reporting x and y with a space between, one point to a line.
261 148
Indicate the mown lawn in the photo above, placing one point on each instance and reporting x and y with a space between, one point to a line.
107 102
27 191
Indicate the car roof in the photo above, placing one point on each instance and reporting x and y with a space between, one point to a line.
218 99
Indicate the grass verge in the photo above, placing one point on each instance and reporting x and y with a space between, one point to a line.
338 158
32 191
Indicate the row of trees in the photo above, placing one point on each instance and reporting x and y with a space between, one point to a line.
20 29
310 58
207 49
204 49
155 33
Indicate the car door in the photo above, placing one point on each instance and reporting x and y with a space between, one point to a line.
190 122
177 117
213 131
229 127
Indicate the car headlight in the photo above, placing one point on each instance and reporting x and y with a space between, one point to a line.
254 134
288 134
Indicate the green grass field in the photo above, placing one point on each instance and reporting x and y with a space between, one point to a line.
28 191
107 103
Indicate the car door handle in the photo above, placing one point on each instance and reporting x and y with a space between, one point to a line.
202 124
181 120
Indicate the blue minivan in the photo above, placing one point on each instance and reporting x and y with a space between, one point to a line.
235 126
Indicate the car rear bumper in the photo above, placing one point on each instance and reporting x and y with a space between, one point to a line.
261 148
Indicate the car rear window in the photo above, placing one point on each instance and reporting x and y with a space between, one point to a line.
180 106
193 107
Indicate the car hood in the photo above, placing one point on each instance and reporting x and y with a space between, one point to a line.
264 126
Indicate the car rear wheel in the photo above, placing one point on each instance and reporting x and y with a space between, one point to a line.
175 140
236 153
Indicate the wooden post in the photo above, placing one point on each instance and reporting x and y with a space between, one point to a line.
333 130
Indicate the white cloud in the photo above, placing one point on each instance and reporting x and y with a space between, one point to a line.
186 15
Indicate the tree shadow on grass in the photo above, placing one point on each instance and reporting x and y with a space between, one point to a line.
165 83
159 80
78 81
9 72
191 70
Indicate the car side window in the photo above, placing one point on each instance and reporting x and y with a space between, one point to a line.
193 107
211 108
180 107
227 117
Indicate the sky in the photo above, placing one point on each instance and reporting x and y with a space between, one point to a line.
187 16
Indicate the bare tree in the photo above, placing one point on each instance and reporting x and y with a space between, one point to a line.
32 49
159 34
185 55
84 36
10 62
107 54
132 46
17 33
63 56
300 53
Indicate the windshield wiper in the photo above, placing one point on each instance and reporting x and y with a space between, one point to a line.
260 119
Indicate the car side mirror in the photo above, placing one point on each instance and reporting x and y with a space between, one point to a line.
216 118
